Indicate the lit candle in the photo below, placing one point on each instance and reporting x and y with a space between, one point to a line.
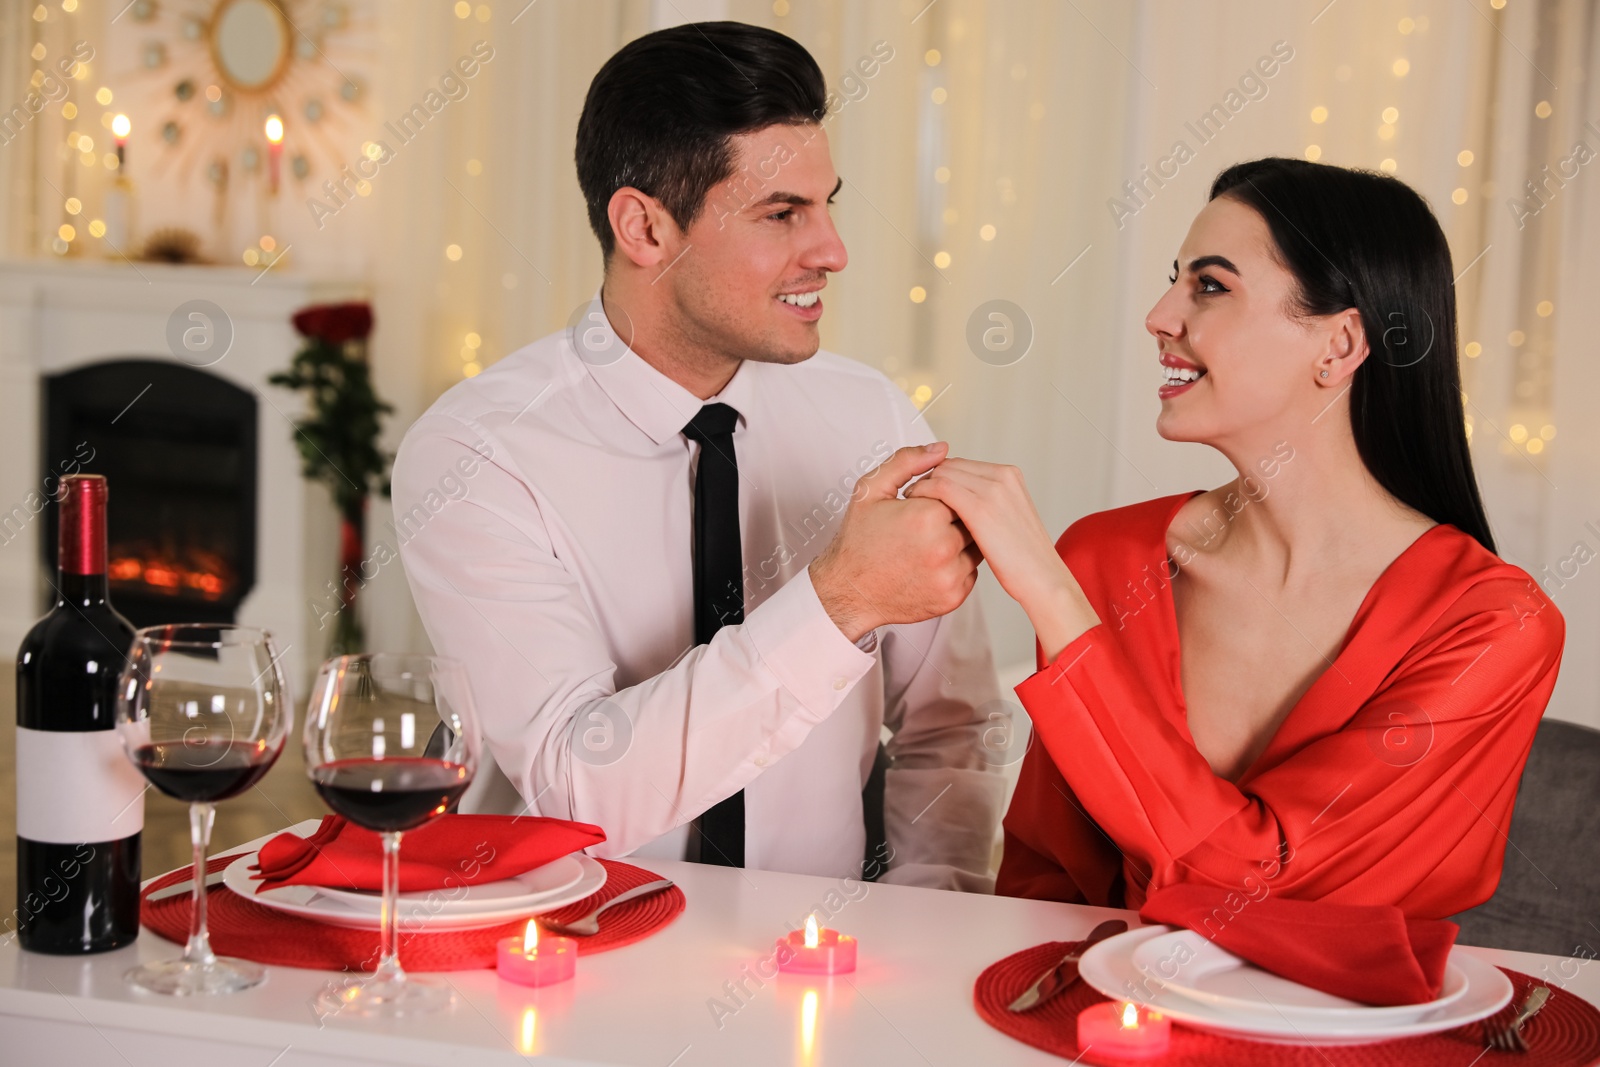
120 127
816 950
274 151
1121 1029
534 960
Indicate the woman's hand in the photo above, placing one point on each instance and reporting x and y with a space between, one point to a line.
993 503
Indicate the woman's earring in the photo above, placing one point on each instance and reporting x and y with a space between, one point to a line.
1324 374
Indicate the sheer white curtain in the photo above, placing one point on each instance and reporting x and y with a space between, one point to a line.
985 147
1566 559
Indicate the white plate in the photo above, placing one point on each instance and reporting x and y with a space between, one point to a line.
310 903
525 890
1109 968
1188 964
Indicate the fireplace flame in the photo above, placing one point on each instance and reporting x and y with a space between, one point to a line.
207 576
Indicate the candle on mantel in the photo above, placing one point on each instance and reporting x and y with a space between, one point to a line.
274 151
534 960
816 950
117 208
1120 1029
120 128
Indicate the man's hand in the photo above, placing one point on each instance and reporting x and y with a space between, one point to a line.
893 560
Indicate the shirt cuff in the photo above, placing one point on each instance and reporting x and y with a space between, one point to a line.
805 649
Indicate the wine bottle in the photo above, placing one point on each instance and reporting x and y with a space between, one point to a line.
80 801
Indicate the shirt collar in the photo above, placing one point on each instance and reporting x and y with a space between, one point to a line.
649 399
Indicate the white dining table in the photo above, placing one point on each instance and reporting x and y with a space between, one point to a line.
650 1004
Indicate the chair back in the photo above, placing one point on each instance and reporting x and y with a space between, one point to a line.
1549 894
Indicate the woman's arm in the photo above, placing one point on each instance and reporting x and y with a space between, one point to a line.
994 505
1053 850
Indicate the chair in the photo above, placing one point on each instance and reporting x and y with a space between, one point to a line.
1549 894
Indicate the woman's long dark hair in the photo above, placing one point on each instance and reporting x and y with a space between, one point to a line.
1356 239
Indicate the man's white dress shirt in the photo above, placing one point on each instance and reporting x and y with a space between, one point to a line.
543 510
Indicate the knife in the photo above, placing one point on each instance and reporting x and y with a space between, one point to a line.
1065 971
185 887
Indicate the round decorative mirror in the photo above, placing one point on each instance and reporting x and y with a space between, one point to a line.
250 43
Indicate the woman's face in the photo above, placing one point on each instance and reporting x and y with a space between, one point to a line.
1239 368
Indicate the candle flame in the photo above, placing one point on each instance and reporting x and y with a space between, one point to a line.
1130 1016
530 938
120 125
811 930
274 129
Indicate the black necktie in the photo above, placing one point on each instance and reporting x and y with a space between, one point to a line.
718 591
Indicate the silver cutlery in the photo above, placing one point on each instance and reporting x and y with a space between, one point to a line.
589 925
1509 1038
1065 972
185 887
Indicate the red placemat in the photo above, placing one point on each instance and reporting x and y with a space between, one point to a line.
241 927
1565 1033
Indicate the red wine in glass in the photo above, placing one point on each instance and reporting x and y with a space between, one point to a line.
391 794
204 771
391 742
203 711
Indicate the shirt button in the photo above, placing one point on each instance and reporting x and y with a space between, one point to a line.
840 683
761 761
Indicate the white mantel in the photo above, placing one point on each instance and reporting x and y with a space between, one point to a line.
60 315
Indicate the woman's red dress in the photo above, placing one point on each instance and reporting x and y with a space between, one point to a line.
1391 781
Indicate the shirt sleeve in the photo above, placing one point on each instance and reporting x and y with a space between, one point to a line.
638 761
1406 802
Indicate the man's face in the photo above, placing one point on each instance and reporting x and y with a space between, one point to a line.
762 235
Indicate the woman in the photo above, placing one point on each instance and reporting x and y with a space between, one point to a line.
1319 679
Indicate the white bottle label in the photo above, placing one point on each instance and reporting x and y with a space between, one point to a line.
76 787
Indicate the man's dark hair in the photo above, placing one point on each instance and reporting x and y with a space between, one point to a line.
660 113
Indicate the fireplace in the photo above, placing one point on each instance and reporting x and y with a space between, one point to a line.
238 534
177 445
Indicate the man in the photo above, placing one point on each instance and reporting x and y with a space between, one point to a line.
634 572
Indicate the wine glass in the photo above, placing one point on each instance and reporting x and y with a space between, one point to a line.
202 710
391 742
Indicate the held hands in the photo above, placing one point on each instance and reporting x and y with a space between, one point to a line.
893 560
993 503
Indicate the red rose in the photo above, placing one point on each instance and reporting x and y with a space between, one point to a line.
335 323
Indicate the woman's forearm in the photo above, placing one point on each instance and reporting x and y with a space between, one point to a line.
1058 610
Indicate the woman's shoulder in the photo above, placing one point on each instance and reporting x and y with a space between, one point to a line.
1135 527
1476 588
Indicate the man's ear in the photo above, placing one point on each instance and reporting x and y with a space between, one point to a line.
1346 350
641 227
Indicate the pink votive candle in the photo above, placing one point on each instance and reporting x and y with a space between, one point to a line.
534 960
816 951
1121 1029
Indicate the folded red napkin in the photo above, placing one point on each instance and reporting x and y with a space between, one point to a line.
451 850
1368 953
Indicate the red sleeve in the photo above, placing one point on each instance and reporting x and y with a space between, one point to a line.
1053 850
1404 802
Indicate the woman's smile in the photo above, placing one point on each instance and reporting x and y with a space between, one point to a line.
1181 375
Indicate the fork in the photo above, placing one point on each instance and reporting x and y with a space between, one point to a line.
1509 1038
589 925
